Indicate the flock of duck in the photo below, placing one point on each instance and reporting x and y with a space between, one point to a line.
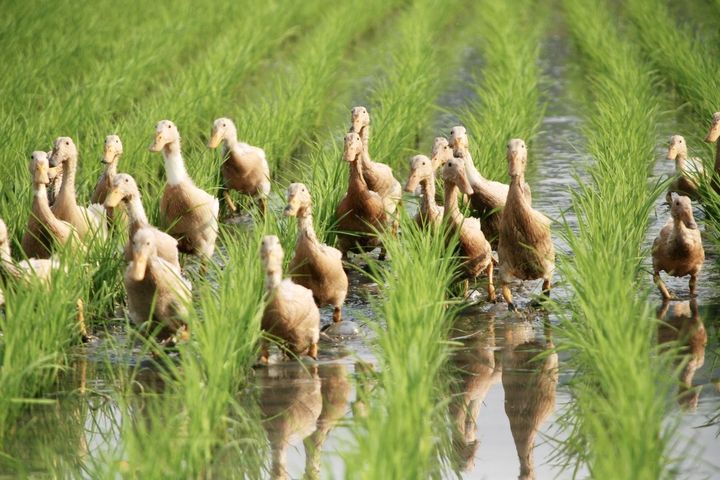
158 294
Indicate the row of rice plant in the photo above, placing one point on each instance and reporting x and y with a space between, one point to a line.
690 64
616 424
200 401
507 90
415 285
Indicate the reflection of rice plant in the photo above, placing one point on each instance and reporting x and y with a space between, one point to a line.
616 423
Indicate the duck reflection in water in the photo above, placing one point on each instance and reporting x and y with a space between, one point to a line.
680 324
335 390
302 403
529 378
475 371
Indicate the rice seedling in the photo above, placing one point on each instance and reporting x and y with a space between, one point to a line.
689 64
616 425
508 88
407 408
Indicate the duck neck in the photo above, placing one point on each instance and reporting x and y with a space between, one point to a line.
111 170
365 137
428 199
473 174
518 183
174 164
679 228
273 278
67 188
357 182
451 203
41 207
305 224
136 212
231 140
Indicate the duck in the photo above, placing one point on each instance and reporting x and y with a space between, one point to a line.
441 152
40 268
488 197
112 151
44 228
678 248
315 265
157 294
712 137
525 247
361 212
473 246
378 176
422 172
529 382
124 190
290 314
87 221
245 168
187 212
688 170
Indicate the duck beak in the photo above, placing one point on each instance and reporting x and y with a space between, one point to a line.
138 266
412 183
690 223
158 143
464 184
714 133
53 173
108 156
214 140
41 174
672 152
113 198
357 126
53 158
290 210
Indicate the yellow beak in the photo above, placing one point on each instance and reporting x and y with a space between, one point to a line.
158 144
215 140
113 198
138 266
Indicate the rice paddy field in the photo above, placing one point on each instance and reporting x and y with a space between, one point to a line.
603 380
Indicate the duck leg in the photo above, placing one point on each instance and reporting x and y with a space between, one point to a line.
693 284
661 286
546 286
491 286
264 352
337 315
313 351
507 296
229 201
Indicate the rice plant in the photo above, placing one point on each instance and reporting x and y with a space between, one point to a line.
408 408
616 424
507 89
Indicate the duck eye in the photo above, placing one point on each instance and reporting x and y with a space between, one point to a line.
223 125
67 143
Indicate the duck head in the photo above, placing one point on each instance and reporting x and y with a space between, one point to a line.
165 132
676 146
681 210
143 248
359 119
458 139
454 172
123 188
271 253
298 200
223 128
64 149
112 149
714 132
516 157
39 167
421 168
441 152
353 147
